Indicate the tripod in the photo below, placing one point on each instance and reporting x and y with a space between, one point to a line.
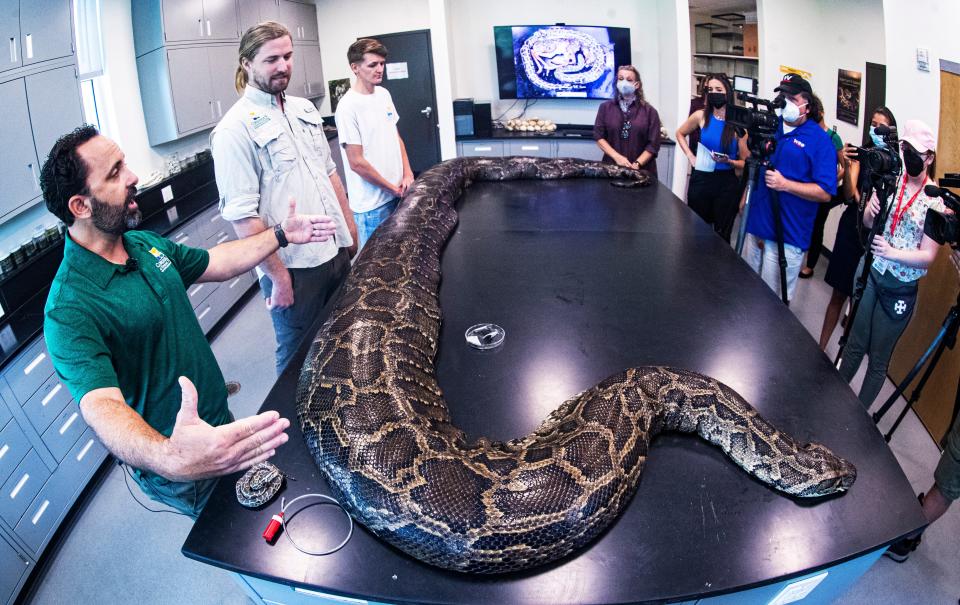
885 186
946 337
761 148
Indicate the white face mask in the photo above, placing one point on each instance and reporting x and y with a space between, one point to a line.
791 112
626 88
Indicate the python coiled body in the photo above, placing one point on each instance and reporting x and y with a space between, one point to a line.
376 422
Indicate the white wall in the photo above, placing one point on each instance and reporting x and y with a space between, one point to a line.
821 37
341 23
932 24
474 64
673 25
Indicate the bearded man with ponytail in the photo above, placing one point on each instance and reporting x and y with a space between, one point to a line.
269 149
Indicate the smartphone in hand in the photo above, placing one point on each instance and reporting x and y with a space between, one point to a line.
719 157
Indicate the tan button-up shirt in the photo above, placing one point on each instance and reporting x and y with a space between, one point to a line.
263 156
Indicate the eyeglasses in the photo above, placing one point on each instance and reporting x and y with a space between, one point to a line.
625 130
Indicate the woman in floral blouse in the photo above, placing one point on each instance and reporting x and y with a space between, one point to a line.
902 254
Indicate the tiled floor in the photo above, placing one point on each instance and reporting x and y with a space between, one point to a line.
119 553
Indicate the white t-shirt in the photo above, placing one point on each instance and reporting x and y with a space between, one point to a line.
370 121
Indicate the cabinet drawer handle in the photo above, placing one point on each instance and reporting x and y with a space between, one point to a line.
200 23
223 238
23 481
483 148
196 289
40 511
213 111
33 364
84 451
53 393
29 46
234 283
530 148
13 50
216 217
4 450
66 425
205 311
208 28
219 109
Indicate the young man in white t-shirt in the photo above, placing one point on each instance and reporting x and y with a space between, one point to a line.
377 170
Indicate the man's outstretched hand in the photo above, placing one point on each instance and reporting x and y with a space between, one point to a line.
197 450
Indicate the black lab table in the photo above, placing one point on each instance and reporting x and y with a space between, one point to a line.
588 279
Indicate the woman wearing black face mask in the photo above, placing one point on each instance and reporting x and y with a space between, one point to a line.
902 254
714 187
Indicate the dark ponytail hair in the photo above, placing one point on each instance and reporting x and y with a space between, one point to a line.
728 130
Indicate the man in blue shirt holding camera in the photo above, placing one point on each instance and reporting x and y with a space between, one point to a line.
803 171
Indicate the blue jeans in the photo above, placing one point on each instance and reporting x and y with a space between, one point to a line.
312 289
368 221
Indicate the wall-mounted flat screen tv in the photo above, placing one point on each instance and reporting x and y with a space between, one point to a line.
559 61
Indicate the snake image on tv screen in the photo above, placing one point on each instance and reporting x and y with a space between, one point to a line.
559 61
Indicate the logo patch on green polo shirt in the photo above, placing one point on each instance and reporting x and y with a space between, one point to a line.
162 261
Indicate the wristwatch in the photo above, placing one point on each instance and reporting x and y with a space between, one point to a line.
281 236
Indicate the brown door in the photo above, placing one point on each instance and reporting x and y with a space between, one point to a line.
938 290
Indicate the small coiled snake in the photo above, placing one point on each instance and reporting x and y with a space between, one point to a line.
259 484
374 417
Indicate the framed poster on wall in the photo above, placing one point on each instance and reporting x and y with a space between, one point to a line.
848 96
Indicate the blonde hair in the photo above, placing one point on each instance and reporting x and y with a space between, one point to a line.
636 74
250 44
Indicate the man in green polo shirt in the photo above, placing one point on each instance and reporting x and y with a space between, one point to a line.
123 336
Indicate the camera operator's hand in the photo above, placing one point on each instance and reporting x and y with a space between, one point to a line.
881 248
850 153
775 180
871 211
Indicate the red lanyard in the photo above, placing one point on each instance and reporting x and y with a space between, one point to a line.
898 214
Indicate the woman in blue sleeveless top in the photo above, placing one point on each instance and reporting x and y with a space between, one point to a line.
713 192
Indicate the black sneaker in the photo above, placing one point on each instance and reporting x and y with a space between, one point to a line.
900 551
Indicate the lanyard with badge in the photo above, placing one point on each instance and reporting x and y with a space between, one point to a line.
898 213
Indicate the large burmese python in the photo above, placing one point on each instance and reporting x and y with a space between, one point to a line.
376 422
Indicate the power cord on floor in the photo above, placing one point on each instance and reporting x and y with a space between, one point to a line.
127 473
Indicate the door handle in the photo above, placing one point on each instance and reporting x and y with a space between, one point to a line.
208 28
427 112
13 50
29 46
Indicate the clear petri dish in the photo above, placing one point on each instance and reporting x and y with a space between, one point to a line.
485 336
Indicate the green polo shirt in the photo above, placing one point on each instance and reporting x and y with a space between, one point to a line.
109 325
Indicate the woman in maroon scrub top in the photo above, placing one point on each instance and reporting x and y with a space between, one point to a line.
627 127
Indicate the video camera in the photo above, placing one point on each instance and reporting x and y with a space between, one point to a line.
941 227
881 161
757 117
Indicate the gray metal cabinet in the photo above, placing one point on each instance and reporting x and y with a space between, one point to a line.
45 405
45 30
583 148
223 70
191 88
10 53
300 19
471 149
55 107
14 445
19 180
542 148
22 486
13 569
198 20
257 11
308 56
